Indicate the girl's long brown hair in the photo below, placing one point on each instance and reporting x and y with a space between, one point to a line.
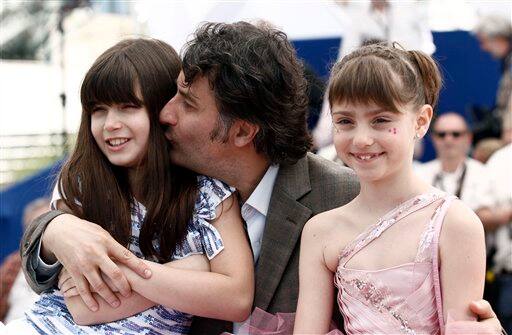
98 191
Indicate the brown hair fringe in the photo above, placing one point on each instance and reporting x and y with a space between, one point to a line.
387 76
96 190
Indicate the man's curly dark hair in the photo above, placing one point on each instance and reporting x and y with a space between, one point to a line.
256 77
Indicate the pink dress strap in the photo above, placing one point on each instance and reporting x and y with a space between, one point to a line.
438 222
387 220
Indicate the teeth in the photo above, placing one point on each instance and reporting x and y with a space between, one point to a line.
366 157
117 141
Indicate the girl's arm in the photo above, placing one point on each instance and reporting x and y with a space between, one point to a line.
225 293
316 288
129 306
462 260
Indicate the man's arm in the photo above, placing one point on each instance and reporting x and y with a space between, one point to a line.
85 249
483 311
29 249
493 218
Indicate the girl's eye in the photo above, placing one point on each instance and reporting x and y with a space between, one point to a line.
342 121
98 109
381 120
130 106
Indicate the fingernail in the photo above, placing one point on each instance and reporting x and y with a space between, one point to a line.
94 308
147 273
115 304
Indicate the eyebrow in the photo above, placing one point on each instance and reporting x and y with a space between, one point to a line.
372 112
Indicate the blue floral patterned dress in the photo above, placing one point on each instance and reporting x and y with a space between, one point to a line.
50 315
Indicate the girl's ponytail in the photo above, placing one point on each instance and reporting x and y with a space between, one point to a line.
429 75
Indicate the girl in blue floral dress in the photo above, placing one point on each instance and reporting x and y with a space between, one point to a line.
119 176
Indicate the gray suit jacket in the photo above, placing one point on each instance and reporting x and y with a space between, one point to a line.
302 190
311 186
28 250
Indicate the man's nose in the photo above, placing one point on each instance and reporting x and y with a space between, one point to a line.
168 114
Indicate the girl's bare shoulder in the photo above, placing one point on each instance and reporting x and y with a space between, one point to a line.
461 224
326 222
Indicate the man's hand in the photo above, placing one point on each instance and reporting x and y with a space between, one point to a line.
87 251
486 315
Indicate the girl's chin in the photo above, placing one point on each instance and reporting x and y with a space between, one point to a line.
369 178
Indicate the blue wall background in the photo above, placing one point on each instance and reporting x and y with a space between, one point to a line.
470 76
14 199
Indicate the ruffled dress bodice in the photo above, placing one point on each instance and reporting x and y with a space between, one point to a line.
399 299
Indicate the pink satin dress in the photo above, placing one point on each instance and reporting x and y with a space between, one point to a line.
403 299
400 299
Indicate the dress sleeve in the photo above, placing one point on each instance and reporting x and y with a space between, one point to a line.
56 196
202 237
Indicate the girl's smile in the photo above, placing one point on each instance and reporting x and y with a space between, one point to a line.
366 157
116 143
121 132
372 140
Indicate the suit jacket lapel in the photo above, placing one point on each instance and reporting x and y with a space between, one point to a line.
285 219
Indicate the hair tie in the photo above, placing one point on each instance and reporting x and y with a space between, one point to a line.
398 46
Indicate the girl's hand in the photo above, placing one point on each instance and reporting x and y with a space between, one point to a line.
66 284
129 306
68 287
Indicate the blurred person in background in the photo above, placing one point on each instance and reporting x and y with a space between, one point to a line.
453 171
15 293
499 167
506 126
485 148
456 173
495 36
316 89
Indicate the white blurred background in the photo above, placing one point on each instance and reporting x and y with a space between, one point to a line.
42 66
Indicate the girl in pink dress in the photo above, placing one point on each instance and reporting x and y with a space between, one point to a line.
403 256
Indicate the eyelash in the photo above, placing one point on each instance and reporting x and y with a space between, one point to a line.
377 121
123 107
381 120
130 106
343 121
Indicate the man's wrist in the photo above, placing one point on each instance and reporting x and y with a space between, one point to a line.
46 251
40 263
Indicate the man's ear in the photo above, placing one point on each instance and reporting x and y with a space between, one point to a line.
423 119
244 132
